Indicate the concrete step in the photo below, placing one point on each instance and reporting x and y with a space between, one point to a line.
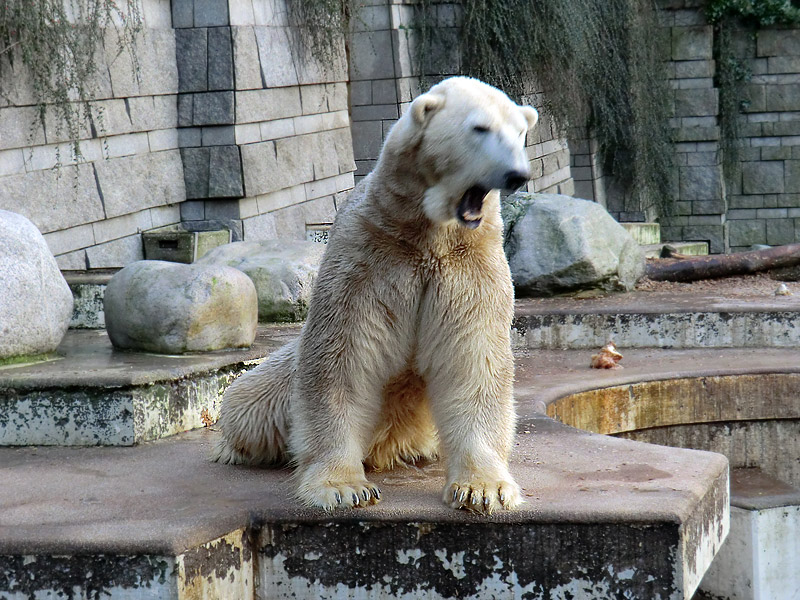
658 320
92 394
604 517
688 248
765 531
644 233
88 290
95 395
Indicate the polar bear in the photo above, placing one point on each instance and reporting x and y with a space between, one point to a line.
407 342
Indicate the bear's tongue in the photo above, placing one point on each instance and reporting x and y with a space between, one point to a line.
471 206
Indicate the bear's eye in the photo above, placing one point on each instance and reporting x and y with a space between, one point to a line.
480 129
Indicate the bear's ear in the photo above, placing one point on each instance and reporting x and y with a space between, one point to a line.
424 106
531 115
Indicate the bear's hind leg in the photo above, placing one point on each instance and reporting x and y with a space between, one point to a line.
255 413
406 433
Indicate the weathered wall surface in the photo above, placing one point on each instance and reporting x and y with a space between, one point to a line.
700 193
225 127
761 203
292 125
385 78
764 200
91 214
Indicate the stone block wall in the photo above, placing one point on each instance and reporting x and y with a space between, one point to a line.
385 77
91 215
230 124
273 153
761 204
700 199
764 199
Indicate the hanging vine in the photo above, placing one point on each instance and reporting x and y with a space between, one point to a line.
56 42
732 72
601 63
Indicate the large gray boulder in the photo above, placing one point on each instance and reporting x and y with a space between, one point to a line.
35 301
558 244
171 308
283 272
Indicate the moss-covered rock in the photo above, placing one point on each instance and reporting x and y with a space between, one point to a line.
283 272
171 308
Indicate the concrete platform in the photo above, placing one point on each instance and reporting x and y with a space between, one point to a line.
658 320
760 558
92 394
604 517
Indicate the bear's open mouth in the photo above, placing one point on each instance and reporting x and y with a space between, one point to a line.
470 209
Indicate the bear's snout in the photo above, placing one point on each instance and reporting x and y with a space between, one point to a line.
515 180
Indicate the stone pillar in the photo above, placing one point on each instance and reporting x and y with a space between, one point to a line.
212 164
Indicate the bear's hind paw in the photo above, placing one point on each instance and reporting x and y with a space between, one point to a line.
483 497
333 496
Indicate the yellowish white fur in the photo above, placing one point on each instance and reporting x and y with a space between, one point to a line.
406 346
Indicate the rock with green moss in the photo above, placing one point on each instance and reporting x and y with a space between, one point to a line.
283 272
35 301
172 308
557 244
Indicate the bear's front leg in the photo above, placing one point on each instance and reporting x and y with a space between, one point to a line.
476 426
465 357
331 431
336 405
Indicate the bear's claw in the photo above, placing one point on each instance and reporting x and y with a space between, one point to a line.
343 495
484 497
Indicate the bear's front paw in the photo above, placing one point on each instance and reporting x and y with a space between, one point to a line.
331 496
483 496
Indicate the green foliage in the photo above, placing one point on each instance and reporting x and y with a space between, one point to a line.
57 42
754 12
732 72
600 63
731 76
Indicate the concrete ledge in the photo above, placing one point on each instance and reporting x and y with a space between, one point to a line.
95 395
602 514
657 320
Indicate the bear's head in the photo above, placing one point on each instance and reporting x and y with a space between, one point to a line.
470 140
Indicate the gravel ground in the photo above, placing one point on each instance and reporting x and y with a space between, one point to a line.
758 284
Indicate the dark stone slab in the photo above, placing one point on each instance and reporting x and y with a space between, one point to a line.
225 173
220 59
191 51
223 135
213 108
190 137
182 13
222 209
185 110
193 210
211 13
195 172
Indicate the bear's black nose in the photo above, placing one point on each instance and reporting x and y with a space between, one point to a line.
516 179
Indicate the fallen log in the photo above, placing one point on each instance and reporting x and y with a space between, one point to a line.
724 265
